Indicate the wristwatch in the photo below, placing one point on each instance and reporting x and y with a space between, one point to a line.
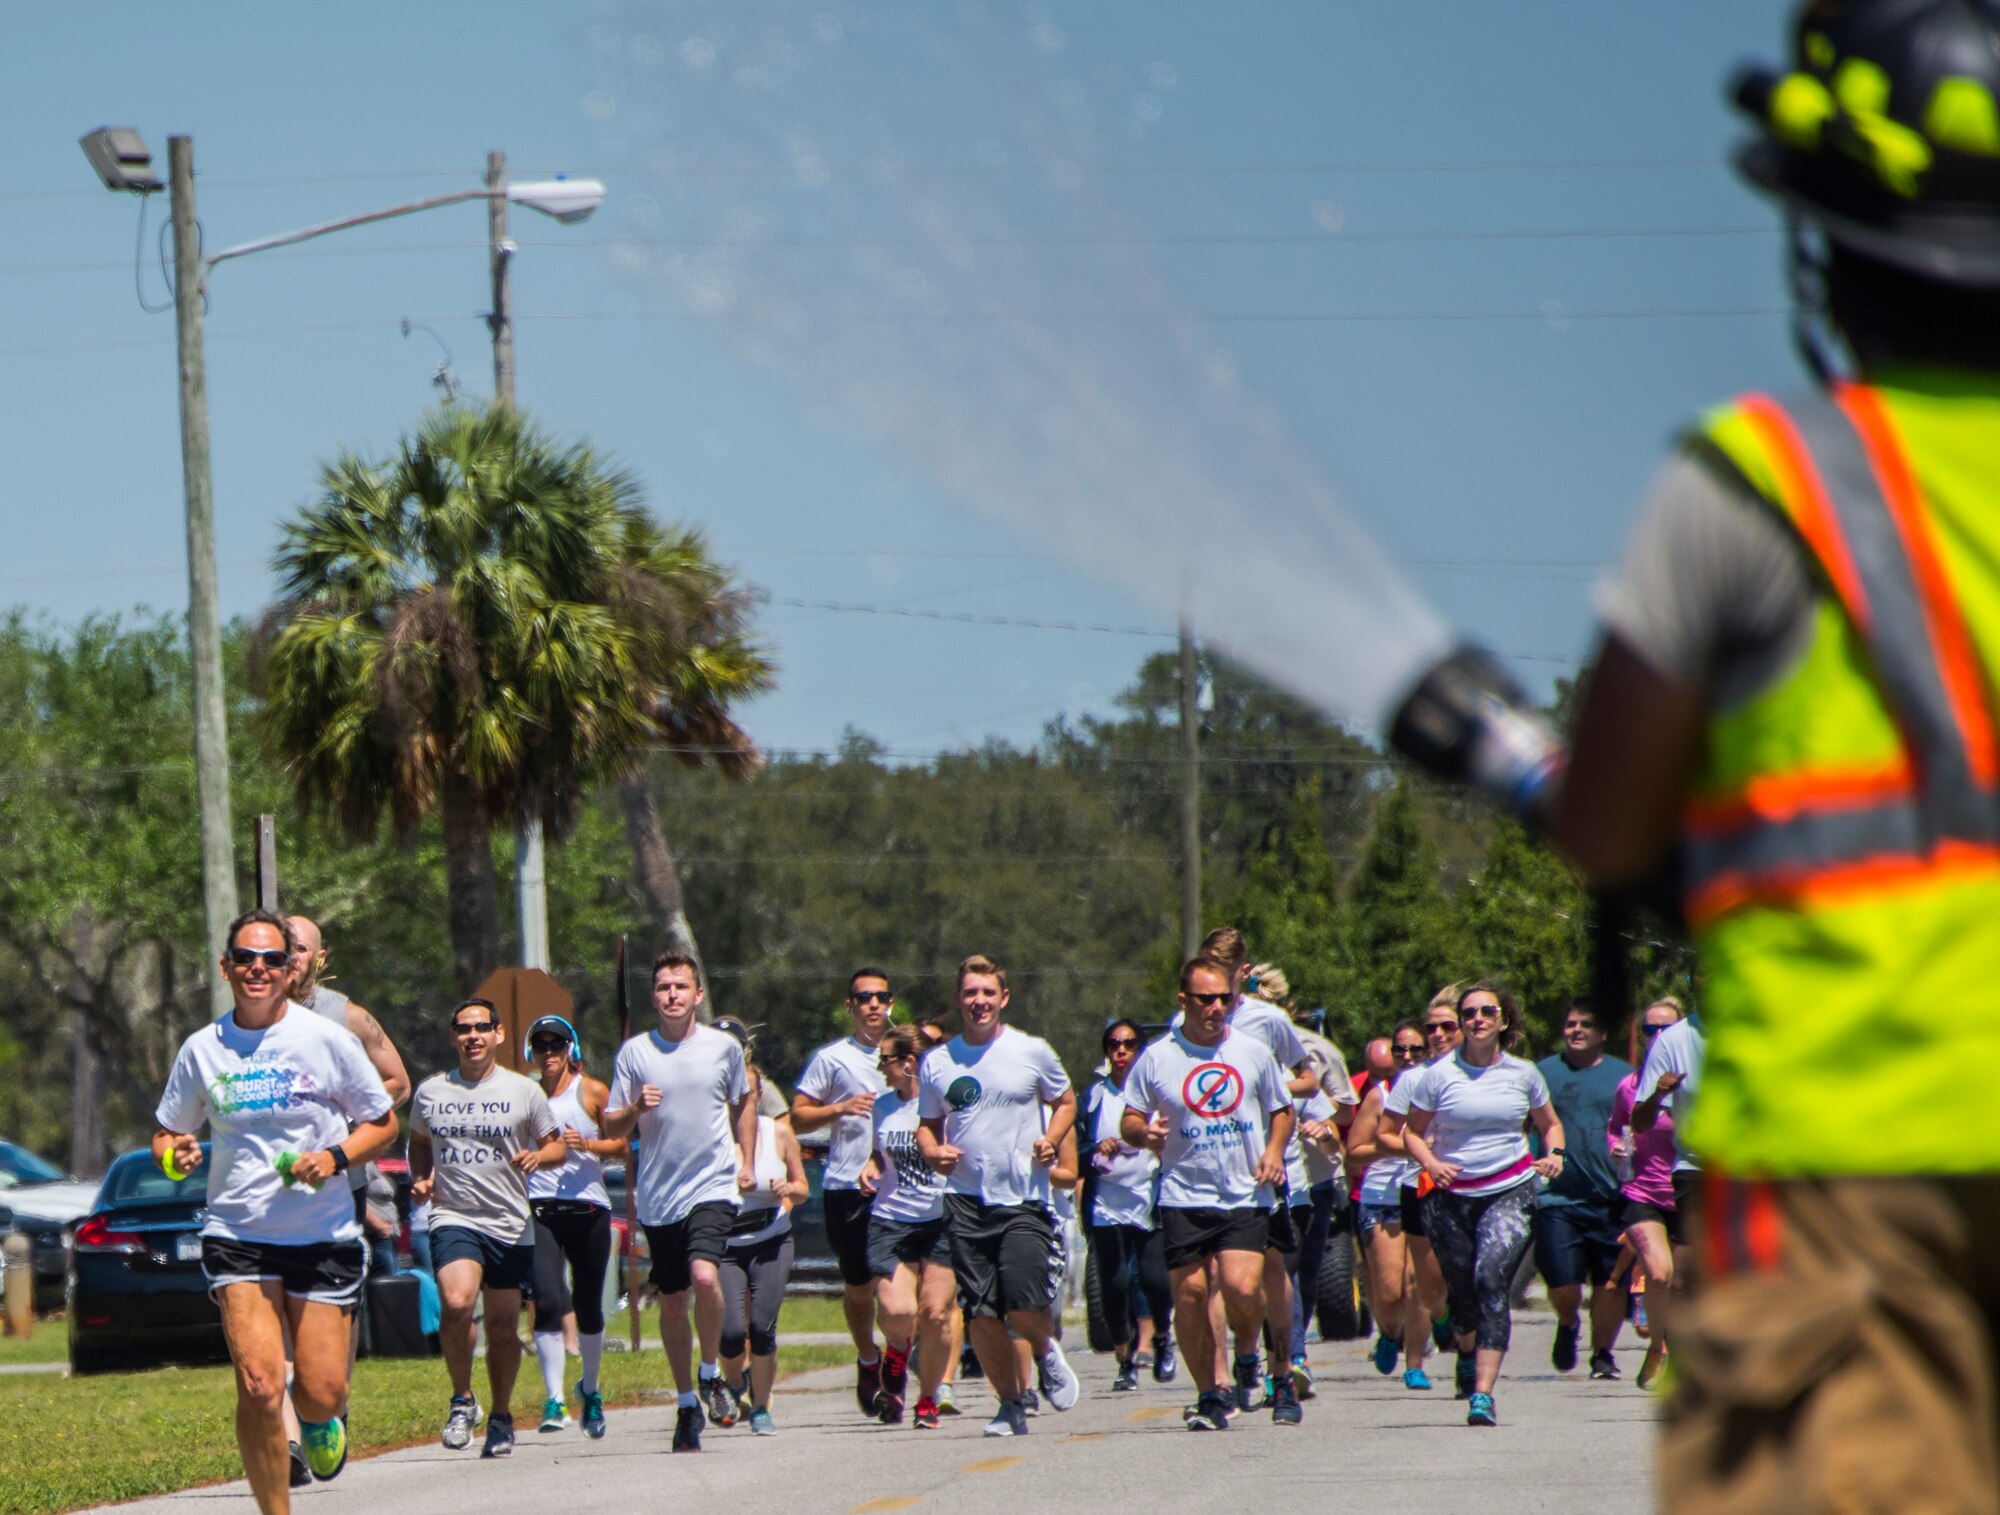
339 1156
1553 1152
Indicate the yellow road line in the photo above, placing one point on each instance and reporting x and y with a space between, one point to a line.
1085 1436
1153 1412
893 1502
990 1465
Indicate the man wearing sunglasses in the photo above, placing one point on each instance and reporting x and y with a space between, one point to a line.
1215 1106
476 1133
839 1088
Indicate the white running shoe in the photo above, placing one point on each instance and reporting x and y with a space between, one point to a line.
1058 1380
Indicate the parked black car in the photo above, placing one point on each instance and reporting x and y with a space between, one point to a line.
137 1295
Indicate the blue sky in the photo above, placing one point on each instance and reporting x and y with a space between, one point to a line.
1464 268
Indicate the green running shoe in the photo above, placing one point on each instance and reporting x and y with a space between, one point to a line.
593 1413
325 1442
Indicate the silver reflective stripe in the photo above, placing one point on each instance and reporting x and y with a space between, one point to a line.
1816 839
1950 803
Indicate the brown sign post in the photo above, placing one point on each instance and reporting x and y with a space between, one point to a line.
523 996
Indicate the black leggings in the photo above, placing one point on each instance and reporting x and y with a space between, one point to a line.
1480 1240
753 1286
579 1234
1126 1253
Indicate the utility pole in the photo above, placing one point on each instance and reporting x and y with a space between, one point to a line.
1190 798
531 904
211 732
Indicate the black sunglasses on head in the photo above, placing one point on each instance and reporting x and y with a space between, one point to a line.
481 1028
248 957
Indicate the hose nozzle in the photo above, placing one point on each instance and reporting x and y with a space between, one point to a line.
1467 720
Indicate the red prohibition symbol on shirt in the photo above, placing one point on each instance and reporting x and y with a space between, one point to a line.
1212 1090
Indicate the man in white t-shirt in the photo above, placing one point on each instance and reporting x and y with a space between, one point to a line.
686 1088
475 1135
1213 1102
838 1088
994 1105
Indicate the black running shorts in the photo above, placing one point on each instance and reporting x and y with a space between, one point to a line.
326 1272
700 1234
1193 1235
502 1264
1638 1211
911 1243
1001 1255
1413 1210
846 1213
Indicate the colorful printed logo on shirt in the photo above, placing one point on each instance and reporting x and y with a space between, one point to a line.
1212 1090
265 1088
964 1093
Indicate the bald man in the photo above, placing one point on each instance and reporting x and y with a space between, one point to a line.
1379 1062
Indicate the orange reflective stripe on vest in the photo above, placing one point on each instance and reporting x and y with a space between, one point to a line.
1821 833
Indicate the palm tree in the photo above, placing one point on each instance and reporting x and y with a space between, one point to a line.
489 625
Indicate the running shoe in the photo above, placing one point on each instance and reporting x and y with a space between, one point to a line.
1649 1371
1442 1335
895 1385
947 1400
1249 1378
719 1402
499 1436
593 1413
1002 1423
326 1447
968 1363
1165 1368
555 1416
1302 1379
1387 1350
687 1429
1057 1378
1210 1413
925 1416
1142 1359
1017 1414
1563 1356
461 1422
1285 1409
302 1473
1461 1378
761 1423
1416 1378
1030 1402
868 1386
1480 1411
1127 1378
1603 1365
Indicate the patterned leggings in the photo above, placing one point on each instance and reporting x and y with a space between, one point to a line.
1480 1240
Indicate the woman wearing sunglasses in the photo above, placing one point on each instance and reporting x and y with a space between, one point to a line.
1467 1115
572 1212
1376 1176
1120 1229
1646 1161
281 1246
1441 1036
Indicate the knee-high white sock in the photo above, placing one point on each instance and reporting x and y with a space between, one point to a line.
549 1353
592 1343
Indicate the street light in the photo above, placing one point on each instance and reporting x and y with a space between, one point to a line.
121 159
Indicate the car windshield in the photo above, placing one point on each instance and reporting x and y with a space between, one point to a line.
19 1166
135 1179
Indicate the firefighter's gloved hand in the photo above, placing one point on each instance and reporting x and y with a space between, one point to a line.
1468 721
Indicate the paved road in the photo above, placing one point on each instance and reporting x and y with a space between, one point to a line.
1564 1444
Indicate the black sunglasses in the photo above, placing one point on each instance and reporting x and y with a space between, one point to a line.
247 957
1404 1049
541 1044
1479 1010
1440 1028
481 1028
1222 998
1121 1041
1652 1030
863 996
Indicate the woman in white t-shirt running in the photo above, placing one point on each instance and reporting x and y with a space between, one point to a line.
1377 1175
277 1087
1468 1114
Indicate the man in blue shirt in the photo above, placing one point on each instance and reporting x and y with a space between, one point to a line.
1578 1217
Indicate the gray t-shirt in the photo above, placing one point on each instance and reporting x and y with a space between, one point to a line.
687 1149
474 1131
1714 591
839 1071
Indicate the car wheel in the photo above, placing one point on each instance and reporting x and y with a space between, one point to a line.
1343 1315
83 1360
1098 1325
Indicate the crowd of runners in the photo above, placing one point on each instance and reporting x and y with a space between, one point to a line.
1203 1166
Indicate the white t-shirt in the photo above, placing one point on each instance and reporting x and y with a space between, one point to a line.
687 1149
292 1087
990 1099
1678 1049
1479 1117
1315 1106
1270 1025
838 1071
474 1131
1218 1103
1122 1194
1382 1177
579 1175
909 1190
1397 1102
